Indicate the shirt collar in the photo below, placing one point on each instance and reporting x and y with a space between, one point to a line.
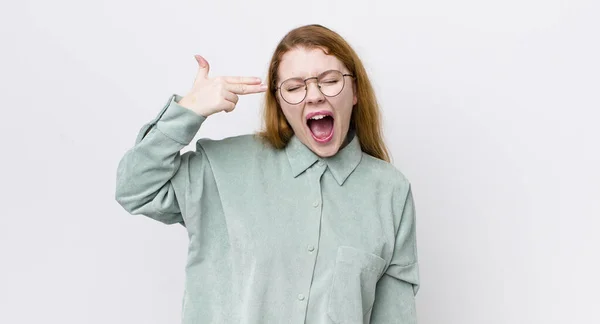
341 164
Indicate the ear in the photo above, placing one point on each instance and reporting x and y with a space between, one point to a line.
354 96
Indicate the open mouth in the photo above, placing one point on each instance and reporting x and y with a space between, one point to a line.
321 126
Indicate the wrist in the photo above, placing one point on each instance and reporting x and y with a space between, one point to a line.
188 103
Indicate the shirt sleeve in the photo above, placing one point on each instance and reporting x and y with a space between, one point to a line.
396 290
145 172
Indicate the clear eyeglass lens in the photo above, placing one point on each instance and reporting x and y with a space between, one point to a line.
330 83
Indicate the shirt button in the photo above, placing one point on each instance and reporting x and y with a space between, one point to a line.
316 203
320 163
311 248
300 297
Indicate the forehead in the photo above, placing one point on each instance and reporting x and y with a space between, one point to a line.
304 63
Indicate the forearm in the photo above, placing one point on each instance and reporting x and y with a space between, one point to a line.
144 172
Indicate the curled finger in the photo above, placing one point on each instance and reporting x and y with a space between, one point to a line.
230 96
228 106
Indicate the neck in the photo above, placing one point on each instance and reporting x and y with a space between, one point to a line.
348 139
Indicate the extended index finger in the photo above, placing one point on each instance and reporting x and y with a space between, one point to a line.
242 80
242 88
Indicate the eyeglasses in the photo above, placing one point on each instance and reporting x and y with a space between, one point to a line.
330 83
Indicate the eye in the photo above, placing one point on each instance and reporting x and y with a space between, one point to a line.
329 82
293 85
293 89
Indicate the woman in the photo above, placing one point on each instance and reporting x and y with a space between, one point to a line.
306 222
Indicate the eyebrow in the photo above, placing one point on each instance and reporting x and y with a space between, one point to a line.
318 75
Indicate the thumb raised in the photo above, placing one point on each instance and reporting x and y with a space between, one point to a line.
204 67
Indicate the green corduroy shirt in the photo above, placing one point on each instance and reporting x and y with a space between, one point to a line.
277 236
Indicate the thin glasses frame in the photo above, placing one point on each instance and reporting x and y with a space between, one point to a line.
318 85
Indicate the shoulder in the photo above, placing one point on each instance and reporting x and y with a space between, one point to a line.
240 144
230 151
384 173
393 185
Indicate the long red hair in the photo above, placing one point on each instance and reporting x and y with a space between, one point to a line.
366 117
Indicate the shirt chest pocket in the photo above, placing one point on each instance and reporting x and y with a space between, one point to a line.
352 290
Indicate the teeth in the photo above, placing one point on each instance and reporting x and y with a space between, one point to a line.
317 117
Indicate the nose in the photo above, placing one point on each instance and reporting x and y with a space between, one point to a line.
313 93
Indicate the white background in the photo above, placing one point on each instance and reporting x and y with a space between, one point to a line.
491 110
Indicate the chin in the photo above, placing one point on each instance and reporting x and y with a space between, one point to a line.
324 153
324 150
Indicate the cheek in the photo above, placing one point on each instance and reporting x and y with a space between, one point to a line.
347 96
291 114
344 105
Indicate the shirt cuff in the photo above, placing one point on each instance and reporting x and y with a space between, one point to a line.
179 123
